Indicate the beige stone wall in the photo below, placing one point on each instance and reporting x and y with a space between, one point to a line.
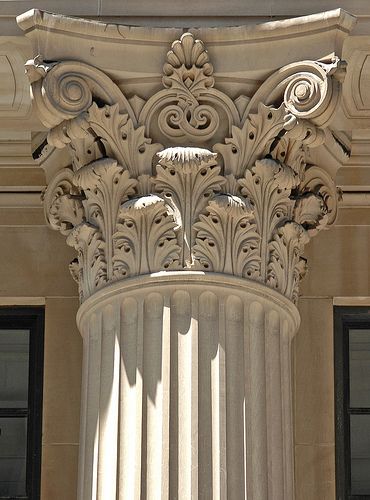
34 271
339 271
314 401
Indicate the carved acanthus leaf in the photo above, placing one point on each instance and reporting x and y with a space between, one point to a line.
268 185
187 178
292 147
286 267
92 271
77 136
122 141
232 185
62 202
106 185
226 239
145 240
310 212
254 139
319 182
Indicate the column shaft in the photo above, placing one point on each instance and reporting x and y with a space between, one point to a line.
186 391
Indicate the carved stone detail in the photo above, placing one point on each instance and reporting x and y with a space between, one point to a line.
121 140
190 108
268 185
187 177
62 203
286 267
247 208
227 241
145 240
254 139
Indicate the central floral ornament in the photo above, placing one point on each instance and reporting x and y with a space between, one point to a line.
131 207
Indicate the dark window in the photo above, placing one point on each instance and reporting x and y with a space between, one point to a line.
352 381
21 377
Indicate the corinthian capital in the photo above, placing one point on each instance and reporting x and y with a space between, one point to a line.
245 202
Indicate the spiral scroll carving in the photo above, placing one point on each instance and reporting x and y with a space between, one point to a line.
64 90
308 89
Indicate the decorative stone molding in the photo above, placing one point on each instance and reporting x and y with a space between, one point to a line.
246 209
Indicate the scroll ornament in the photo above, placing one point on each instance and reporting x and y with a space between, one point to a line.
130 205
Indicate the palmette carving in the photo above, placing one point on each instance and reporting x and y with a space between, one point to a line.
245 209
189 108
188 72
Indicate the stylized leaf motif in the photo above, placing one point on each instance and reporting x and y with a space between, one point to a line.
319 182
88 242
226 239
187 178
310 212
286 267
187 65
62 202
232 185
292 147
105 184
122 141
254 139
79 139
268 185
145 240
292 153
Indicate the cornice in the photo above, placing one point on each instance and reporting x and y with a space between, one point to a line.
303 26
58 37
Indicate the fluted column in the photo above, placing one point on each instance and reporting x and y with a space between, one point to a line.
188 266
187 390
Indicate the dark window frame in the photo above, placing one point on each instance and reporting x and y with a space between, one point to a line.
345 318
32 319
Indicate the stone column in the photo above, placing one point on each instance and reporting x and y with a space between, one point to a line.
186 389
188 265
